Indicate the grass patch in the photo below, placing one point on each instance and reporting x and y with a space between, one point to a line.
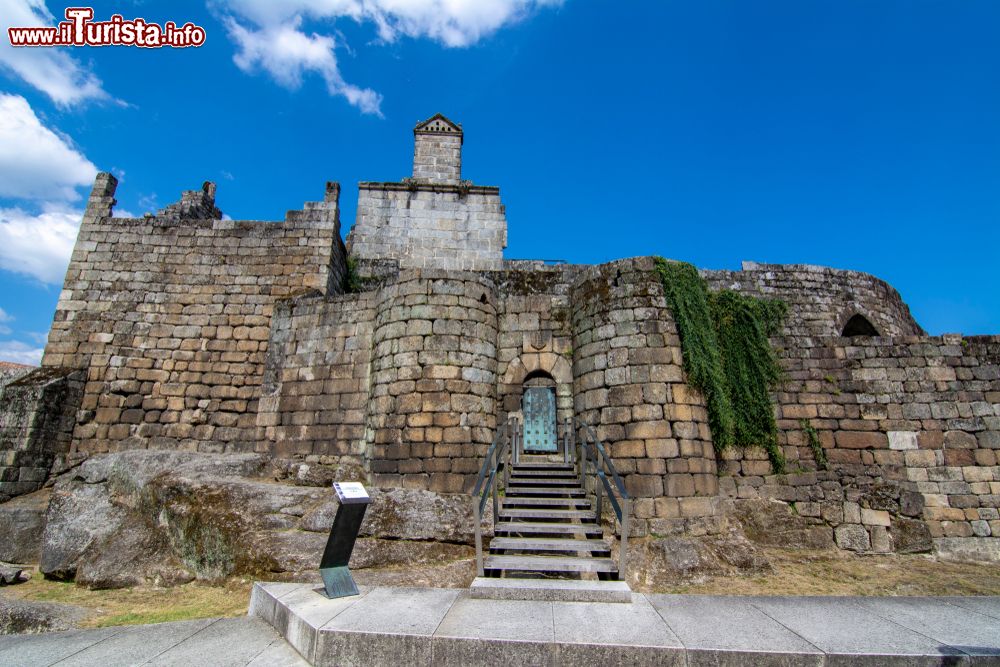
137 606
804 572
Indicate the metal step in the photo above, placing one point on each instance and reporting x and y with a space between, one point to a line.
531 527
547 502
547 544
549 564
552 474
540 465
543 481
545 491
543 513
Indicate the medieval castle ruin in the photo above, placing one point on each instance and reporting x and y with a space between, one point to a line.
395 359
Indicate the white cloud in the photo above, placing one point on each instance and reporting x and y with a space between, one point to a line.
270 34
35 162
51 70
4 317
286 53
38 245
20 353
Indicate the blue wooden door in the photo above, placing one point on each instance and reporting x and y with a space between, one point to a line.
539 407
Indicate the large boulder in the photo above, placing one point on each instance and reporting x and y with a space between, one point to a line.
165 518
23 617
22 522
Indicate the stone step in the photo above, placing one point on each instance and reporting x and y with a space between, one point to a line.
547 544
549 564
542 513
551 590
531 527
548 502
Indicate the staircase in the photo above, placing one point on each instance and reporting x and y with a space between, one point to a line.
548 540
548 528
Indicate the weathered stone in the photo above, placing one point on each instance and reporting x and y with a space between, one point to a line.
774 523
853 537
910 536
22 521
658 562
24 617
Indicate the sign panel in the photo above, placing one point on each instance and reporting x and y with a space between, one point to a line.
351 492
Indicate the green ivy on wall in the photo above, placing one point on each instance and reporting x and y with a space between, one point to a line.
728 357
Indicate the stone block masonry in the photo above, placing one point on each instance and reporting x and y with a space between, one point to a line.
35 427
910 428
432 411
186 331
169 317
432 219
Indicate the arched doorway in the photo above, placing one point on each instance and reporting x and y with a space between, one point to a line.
538 407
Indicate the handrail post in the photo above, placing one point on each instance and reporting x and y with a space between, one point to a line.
623 552
515 439
600 497
496 484
479 536
565 442
510 442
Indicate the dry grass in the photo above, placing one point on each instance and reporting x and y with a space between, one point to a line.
796 572
800 572
136 606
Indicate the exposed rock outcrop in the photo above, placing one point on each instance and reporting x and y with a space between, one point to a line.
167 517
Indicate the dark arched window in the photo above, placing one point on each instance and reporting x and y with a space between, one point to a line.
859 326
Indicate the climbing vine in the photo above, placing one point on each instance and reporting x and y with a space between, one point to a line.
812 437
727 356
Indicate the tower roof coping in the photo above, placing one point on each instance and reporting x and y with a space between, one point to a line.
438 124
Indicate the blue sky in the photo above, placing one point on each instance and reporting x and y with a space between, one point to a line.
856 134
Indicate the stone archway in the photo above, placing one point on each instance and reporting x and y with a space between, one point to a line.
533 365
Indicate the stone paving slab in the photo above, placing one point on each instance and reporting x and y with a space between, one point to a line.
235 642
449 627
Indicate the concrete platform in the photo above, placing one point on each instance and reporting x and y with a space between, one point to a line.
425 626
228 642
553 590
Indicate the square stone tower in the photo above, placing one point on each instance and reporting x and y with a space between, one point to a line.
437 153
433 219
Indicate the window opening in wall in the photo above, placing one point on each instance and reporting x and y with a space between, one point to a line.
859 326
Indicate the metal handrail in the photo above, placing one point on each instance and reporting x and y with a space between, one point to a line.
487 484
594 454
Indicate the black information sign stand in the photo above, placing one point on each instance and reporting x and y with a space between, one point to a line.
337 578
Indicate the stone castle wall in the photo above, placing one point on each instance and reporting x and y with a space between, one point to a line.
169 319
911 429
821 300
631 387
186 331
34 428
432 413
445 226
314 400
